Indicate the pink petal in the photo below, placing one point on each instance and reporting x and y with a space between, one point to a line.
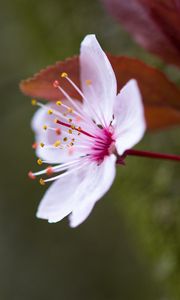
129 117
95 66
97 182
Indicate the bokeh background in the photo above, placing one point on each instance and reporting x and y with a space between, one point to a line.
129 248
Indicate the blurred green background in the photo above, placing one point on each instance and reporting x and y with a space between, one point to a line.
129 248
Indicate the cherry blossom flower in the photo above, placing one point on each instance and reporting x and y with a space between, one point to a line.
81 141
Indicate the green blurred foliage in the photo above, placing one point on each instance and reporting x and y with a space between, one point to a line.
129 248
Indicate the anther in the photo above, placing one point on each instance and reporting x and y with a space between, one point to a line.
70 120
73 126
57 143
41 181
56 83
45 127
55 121
50 112
88 82
31 175
34 145
70 110
41 145
39 162
59 103
49 170
33 102
58 131
70 131
64 75
65 139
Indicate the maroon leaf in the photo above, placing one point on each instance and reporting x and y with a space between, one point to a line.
155 25
161 97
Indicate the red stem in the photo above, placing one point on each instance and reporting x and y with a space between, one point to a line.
148 154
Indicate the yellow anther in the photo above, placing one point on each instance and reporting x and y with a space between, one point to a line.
73 126
41 181
57 143
73 140
50 111
64 75
45 127
41 144
65 139
71 144
88 82
59 103
39 162
70 110
70 131
70 120
33 102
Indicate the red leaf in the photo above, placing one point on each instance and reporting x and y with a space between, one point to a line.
160 96
155 25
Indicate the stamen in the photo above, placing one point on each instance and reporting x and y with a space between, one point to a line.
34 102
39 162
49 171
34 145
31 175
77 129
42 181
41 145
57 143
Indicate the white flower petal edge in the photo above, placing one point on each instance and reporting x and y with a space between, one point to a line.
129 123
77 192
97 182
95 66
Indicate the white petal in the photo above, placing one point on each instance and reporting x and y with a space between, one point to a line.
96 67
59 200
129 118
48 137
97 182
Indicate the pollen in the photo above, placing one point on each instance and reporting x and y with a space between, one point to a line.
71 144
41 145
33 102
59 103
70 131
45 127
73 126
88 82
65 139
70 120
31 175
50 112
39 162
79 128
57 143
41 181
64 75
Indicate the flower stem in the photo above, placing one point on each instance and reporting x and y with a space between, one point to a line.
148 154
